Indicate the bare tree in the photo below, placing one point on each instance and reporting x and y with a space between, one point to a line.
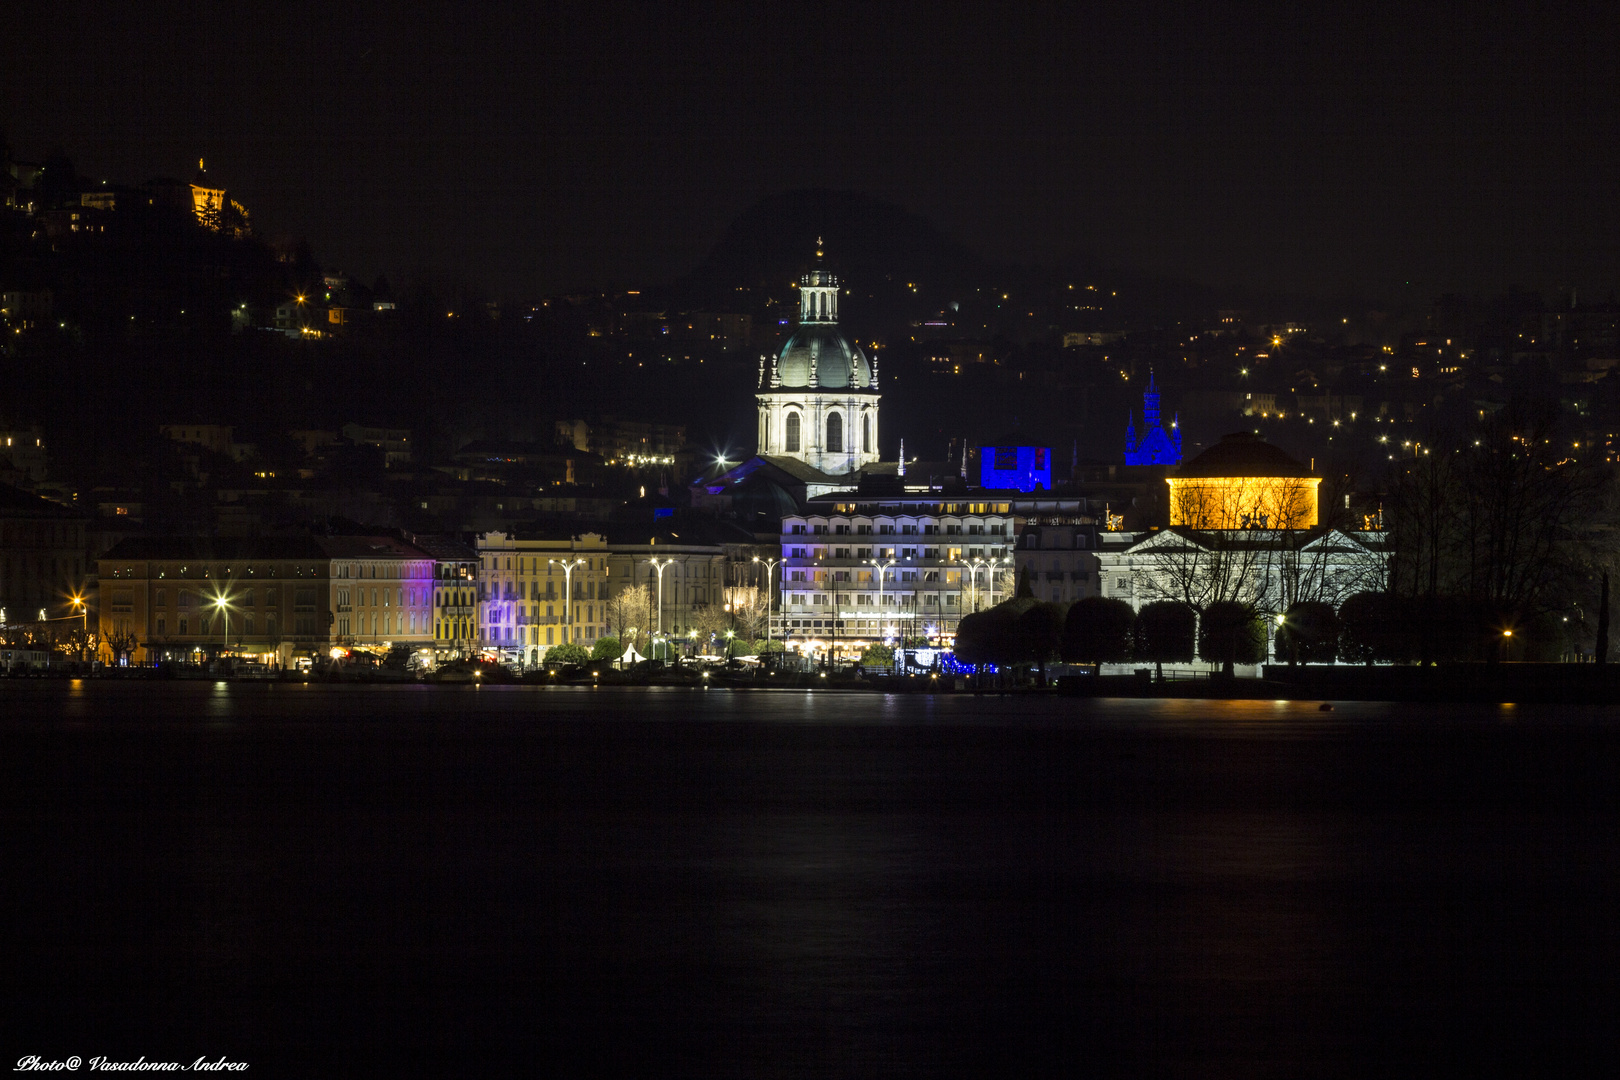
749 606
1506 515
628 613
711 622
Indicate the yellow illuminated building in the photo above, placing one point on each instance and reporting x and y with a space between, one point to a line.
1243 482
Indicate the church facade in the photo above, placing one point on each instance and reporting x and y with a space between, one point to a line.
818 397
1155 445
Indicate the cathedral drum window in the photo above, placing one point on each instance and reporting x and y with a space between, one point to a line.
835 434
793 433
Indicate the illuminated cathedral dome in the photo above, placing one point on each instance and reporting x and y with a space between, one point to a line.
823 349
818 403
819 353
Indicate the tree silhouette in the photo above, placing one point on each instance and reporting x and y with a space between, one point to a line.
1098 630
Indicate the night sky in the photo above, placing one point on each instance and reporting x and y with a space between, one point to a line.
543 147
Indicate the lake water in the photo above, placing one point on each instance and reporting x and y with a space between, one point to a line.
340 881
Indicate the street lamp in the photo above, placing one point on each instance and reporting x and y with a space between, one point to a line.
770 596
992 565
660 565
882 566
972 567
568 566
84 614
224 608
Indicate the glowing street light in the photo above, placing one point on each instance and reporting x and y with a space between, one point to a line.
882 566
223 606
568 566
770 596
660 565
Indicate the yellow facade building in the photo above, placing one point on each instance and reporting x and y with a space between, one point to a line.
1243 482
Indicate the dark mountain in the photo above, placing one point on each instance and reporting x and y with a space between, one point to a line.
867 241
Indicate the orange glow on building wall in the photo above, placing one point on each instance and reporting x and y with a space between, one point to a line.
1244 502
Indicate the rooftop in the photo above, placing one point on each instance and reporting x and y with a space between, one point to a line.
1242 454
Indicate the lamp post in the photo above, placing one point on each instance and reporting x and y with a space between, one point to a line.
660 565
882 566
972 566
224 608
84 614
770 596
568 566
992 565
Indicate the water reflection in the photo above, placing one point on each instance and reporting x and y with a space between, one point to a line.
830 884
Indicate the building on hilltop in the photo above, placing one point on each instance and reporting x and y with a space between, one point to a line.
1155 446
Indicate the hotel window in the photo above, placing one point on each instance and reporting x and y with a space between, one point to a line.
183 630
162 627
549 632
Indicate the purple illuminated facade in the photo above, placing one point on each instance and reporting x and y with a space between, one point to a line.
1155 446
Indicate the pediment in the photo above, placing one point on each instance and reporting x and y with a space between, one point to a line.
1165 540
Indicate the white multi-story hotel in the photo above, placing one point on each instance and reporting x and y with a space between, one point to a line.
860 568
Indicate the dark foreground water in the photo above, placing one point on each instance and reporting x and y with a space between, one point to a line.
501 881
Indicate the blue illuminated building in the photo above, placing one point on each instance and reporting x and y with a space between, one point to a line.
1156 446
1015 468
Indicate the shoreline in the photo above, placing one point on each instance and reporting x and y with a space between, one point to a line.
1584 684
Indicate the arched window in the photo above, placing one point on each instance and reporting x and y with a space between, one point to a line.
835 434
792 432
866 433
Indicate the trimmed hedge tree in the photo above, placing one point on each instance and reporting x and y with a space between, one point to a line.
1370 629
1040 635
1309 634
1164 632
988 637
1098 631
1231 633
